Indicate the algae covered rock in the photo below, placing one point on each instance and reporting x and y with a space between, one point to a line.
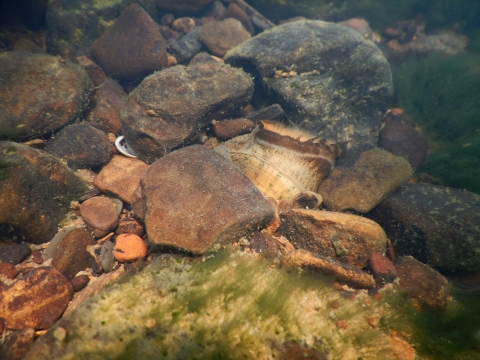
337 82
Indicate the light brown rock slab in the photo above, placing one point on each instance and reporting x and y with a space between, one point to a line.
120 177
372 178
345 274
101 214
350 239
194 198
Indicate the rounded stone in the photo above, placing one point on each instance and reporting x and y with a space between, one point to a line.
129 247
100 214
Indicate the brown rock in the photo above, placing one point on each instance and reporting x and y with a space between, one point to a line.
29 109
422 282
167 19
363 185
227 129
348 238
37 257
106 113
71 255
234 11
8 270
121 176
16 343
265 244
404 140
132 47
36 191
94 71
130 226
101 214
204 199
221 36
129 247
184 24
79 282
382 269
359 25
137 203
36 300
343 273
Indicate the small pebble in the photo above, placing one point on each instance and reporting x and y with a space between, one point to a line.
184 24
37 257
79 282
129 247
8 270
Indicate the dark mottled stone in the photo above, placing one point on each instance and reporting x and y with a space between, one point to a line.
187 46
16 344
13 253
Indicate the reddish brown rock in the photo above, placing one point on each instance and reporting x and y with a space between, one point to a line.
132 47
36 300
94 71
137 203
265 244
404 140
129 247
221 36
184 24
422 282
16 343
121 176
101 214
359 25
234 11
71 255
350 239
130 226
228 129
382 269
39 94
8 270
37 257
343 273
106 113
79 282
203 200
365 183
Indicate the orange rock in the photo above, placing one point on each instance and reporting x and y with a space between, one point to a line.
129 247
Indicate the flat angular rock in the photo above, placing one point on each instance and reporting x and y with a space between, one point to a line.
36 300
350 239
106 113
221 36
82 146
36 192
340 81
132 47
30 108
422 282
194 198
382 269
169 107
121 176
436 225
71 255
187 46
101 214
365 183
345 274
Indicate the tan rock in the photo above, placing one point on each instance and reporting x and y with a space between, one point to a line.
345 274
101 214
350 239
129 247
36 300
121 176
221 36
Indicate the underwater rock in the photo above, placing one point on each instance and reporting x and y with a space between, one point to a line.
382 269
359 25
71 255
121 176
283 161
16 343
132 47
130 226
36 192
195 198
447 43
106 113
94 72
101 214
72 27
362 183
169 107
228 129
436 225
350 239
187 46
227 306
234 11
39 94
82 146
79 282
304 200
8 270
13 253
339 82
422 282
36 300
129 247
221 36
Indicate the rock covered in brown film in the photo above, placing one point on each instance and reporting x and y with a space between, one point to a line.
132 47
221 36
228 129
101 214
16 343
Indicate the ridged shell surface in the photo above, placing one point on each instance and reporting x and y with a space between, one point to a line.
282 161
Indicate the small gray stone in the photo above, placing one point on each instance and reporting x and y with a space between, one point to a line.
106 256
187 46
13 253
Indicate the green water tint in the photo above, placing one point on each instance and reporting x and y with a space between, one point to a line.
442 94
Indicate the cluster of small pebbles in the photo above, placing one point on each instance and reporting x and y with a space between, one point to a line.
76 214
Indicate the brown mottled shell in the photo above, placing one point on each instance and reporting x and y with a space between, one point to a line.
283 161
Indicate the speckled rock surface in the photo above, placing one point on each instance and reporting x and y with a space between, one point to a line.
350 239
436 225
362 184
30 108
169 107
203 200
346 82
36 193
